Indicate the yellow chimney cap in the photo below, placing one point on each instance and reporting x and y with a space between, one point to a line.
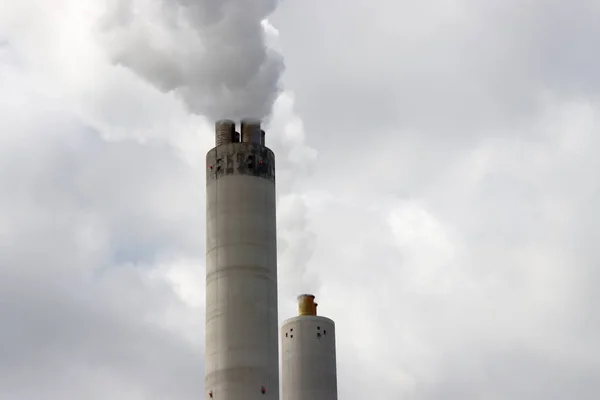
307 305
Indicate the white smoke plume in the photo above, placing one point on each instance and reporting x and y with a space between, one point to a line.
211 53
222 57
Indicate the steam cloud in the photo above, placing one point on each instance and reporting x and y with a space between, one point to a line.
216 55
211 53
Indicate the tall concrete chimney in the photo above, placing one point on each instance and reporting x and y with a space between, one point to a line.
242 360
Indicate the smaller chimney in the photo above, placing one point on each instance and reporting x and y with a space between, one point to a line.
307 305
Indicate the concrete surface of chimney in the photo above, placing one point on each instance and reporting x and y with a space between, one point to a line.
242 355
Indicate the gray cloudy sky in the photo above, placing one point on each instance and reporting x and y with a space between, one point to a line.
437 180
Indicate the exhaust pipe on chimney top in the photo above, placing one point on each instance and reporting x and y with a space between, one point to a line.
251 132
224 132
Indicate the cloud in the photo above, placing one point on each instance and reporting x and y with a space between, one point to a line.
84 222
476 272
459 68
